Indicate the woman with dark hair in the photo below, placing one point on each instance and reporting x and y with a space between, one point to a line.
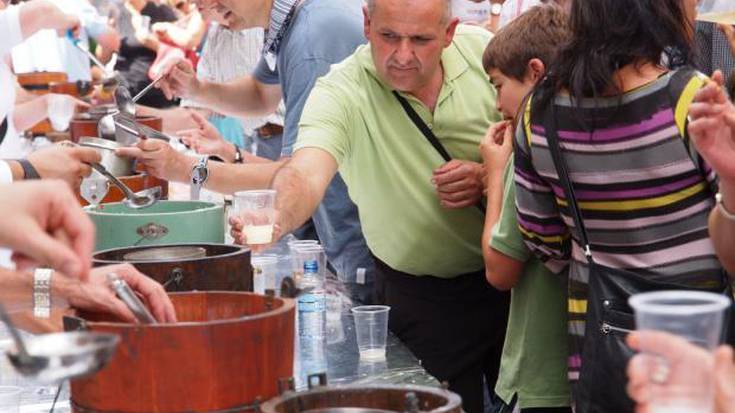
608 184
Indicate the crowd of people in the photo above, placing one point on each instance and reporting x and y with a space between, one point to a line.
503 174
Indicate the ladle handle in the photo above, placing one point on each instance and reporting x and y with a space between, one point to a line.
101 169
145 90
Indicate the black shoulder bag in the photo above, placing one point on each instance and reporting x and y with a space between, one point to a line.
433 140
605 355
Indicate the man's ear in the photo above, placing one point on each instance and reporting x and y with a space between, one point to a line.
366 20
451 29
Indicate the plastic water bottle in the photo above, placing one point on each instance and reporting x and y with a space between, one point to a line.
312 303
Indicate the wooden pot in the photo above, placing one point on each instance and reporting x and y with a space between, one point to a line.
226 354
84 125
365 399
135 183
222 267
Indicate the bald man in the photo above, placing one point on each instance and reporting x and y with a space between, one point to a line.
419 211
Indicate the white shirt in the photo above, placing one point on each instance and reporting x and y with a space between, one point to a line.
514 8
470 12
10 35
46 51
228 55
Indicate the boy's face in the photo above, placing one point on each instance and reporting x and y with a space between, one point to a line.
511 92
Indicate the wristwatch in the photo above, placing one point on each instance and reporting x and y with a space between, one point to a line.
238 154
199 175
721 206
42 292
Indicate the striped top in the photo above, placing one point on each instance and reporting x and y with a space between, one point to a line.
643 191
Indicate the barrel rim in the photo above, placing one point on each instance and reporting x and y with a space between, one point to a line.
288 305
206 207
453 399
239 250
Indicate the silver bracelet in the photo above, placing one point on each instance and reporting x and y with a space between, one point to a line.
42 292
721 207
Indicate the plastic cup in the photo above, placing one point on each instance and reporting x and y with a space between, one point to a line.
257 210
310 259
371 327
264 272
682 382
10 399
296 266
60 111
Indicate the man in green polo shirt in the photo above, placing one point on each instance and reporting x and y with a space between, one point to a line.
419 213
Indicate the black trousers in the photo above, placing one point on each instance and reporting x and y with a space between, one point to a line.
455 327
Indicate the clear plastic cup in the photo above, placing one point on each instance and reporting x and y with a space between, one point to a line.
60 111
680 381
371 328
297 267
258 212
10 399
264 272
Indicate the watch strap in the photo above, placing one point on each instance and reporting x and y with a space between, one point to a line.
29 171
729 215
238 154
199 175
42 292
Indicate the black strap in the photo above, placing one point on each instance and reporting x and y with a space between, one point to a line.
421 125
3 129
552 136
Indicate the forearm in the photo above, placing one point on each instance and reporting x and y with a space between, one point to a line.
229 178
16 295
722 230
494 206
296 200
30 113
241 98
37 15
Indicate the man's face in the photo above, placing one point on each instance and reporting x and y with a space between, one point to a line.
407 38
511 92
230 14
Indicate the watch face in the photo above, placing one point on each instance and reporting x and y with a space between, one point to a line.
199 175
496 8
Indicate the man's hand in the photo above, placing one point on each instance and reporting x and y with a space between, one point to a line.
68 164
97 296
180 80
45 226
206 140
238 222
160 159
459 183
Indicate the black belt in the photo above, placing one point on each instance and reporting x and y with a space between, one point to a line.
3 130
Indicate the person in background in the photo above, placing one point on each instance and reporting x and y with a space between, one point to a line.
187 32
712 129
139 47
533 373
643 191
47 52
514 8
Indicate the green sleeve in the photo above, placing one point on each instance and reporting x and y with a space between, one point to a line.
506 237
326 121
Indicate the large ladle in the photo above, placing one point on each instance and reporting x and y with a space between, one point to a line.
26 364
127 103
133 200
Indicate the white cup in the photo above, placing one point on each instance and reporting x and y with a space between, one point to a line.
257 210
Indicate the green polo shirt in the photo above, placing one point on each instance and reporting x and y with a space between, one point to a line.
388 164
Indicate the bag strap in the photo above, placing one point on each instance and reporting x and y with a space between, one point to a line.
433 140
416 119
552 137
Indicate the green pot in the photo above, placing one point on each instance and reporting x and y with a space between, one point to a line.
166 222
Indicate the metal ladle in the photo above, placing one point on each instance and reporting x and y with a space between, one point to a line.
23 362
127 103
133 200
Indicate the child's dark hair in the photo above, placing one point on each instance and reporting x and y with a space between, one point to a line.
539 33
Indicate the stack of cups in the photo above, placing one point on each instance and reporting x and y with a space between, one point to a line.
264 272
681 380
297 267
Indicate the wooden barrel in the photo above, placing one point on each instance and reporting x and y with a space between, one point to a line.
227 354
366 399
83 125
135 183
220 267
78 89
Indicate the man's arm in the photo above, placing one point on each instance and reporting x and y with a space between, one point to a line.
300 185
243 97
